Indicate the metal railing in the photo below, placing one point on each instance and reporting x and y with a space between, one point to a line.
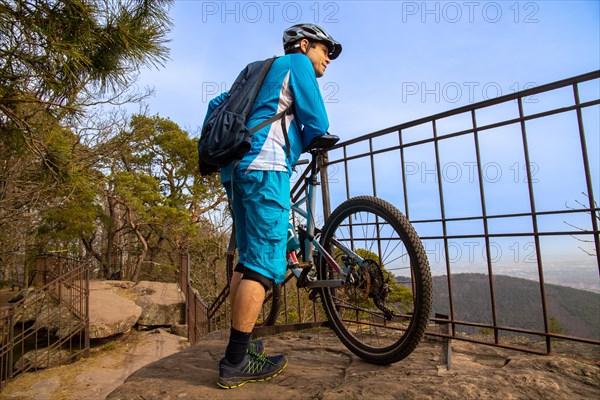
411 166
49 326
393 164
196 310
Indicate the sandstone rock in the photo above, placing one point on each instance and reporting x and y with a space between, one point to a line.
162 303
22 294
40 358
320 367
29 307
95 377
57 319
111 285
110 313
180 330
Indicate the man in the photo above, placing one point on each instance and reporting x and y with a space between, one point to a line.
259 191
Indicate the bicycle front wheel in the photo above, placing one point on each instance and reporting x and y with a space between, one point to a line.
382 312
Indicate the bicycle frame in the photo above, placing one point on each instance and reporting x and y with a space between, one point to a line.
311 242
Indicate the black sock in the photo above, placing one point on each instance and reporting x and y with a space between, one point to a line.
238 343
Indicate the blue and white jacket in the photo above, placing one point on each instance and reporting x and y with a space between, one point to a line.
291 81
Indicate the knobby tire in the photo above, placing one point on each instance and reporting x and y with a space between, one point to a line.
378 232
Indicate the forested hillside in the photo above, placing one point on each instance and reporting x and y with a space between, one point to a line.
518 304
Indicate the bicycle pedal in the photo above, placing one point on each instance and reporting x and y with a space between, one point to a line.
314 294
303 278
304 265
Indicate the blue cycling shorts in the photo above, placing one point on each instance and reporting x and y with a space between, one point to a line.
261 206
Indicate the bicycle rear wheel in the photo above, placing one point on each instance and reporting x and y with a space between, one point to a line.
272 304
382 315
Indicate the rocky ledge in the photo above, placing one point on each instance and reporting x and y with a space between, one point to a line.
115 307
320 367
118 306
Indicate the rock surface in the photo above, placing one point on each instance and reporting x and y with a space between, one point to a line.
56 318
162 303
21 295
148 304
320 367
95 377
41 358
111 312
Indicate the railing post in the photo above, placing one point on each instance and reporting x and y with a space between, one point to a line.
184 285
588 174
40 271
446 353
11 340
86 330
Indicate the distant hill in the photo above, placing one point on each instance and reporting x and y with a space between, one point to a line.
518 304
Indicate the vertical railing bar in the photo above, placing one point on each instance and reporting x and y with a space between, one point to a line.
185 287
443 218
299 306
348 196
192 322
188 314
374 185
588 175
196 327
404 183
346 173
485 225
285 303
536 236
87 311
48 311
11 339
372 158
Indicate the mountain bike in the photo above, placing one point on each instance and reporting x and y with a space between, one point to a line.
367 266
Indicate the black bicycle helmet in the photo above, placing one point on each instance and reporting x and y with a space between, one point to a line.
311 32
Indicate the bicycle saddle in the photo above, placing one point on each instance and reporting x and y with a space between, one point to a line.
323 142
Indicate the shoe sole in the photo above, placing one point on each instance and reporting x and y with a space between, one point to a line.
225 385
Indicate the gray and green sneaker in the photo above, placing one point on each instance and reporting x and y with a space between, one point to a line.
253 368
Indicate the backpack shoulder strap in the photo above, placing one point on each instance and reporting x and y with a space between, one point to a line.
280 115
271 120
261 77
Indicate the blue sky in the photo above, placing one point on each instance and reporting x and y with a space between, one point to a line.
403 60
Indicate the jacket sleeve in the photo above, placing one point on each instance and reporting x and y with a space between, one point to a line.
308 102
214 103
